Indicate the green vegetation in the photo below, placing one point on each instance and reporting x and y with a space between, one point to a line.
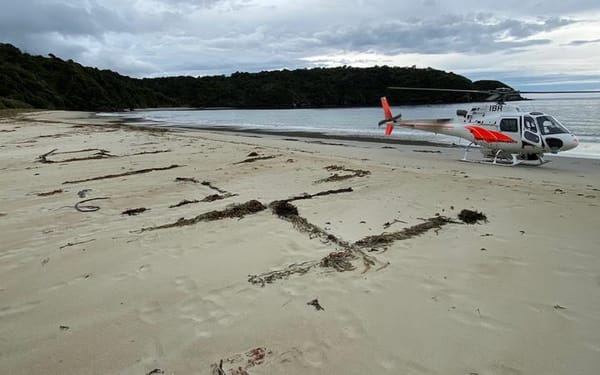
51 83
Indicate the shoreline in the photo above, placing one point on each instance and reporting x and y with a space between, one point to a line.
147 250
136 121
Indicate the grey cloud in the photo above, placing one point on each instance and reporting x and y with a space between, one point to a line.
582 42
545 82
47 17
453 33
162 37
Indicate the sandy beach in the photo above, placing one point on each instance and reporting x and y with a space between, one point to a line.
130 251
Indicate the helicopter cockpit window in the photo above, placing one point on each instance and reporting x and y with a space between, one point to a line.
549 125
529 124
509 125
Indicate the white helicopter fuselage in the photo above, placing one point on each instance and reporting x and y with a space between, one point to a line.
500 130
532 132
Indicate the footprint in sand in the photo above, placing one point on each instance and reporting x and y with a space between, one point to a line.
477 318
150 312
388 364
412 367
175 253
352 328
217 313
202 333
502 369
206 312
186 285
143 270
566 313
592 346
312 355
432 284
18 309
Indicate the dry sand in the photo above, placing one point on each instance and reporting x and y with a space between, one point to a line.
91 293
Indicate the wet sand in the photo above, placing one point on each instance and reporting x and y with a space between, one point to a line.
135 251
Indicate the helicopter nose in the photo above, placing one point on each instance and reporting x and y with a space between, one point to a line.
570 142
574 142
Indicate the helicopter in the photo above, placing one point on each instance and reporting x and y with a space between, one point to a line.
505 134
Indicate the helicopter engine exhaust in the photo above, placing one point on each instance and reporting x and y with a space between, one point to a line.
461 112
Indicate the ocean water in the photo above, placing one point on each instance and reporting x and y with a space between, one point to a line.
581 115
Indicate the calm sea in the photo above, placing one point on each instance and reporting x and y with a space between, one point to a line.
581 115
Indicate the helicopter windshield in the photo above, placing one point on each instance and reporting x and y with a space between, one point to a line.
550 125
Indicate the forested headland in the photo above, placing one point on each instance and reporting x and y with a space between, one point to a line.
28 81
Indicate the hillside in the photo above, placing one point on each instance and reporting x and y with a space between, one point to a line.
53 83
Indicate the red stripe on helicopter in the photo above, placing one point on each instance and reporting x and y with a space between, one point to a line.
490 136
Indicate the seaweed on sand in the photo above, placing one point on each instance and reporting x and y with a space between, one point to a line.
384 239
471 217
238 210
134 211
217 197
287 211
293 269
339 177
339 260
186 179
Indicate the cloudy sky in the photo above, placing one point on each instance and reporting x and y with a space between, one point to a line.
530 44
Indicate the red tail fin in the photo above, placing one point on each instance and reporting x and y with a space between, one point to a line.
387 112
388 129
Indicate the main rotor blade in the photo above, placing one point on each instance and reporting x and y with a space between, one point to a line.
562 92
432 89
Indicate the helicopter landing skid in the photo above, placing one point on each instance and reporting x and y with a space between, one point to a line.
502 160
502 163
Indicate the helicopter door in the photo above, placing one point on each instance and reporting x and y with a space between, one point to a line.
531 134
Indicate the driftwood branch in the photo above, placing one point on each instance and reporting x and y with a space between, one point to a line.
43 158
147 152
69 244
211 186
100 154
45 194
139 171
253 159
184 202
186 179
